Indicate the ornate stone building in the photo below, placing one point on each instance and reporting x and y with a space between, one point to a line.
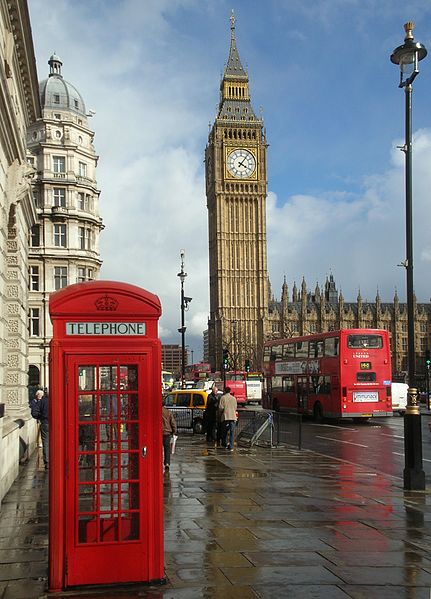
236 189
323 309
19 109
64 244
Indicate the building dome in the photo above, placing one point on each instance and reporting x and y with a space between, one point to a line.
56 92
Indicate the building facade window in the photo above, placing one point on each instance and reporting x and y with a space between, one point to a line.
84 235
82 169
35 236
60 277
81 275
34 322
59 197
60 236
34 280
83 201
59 164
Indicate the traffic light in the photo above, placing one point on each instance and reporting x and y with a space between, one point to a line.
247 365
427 358
225 359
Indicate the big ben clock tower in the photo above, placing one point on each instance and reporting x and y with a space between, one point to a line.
236 189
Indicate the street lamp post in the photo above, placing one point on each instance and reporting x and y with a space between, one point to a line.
407 57
184 306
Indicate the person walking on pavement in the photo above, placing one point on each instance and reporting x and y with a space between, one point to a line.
39 410
228 407
210 414
169 428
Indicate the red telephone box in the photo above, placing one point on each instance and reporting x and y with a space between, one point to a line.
105 491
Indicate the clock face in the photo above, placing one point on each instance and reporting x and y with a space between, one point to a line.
241 164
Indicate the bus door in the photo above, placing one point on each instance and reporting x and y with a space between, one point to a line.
302 394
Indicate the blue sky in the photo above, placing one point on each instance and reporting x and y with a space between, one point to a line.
333 113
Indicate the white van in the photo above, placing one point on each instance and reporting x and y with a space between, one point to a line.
399 397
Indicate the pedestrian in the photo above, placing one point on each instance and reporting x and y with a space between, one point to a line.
210 414
169 428
39 410
227 408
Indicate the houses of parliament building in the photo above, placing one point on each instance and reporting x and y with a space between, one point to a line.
243 310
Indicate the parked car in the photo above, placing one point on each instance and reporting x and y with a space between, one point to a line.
188 407
399 397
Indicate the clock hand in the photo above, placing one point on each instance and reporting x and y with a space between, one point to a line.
241 163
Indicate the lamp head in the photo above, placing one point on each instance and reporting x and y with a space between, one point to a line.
408 56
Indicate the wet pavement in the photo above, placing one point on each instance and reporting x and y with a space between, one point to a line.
257 522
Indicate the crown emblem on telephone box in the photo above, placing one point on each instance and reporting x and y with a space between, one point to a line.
106 303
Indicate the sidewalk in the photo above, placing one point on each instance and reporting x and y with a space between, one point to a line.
253 523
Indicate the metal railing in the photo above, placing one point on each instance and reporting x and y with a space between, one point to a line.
268 428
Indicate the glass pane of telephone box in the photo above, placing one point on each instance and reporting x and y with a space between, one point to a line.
87 378
108 378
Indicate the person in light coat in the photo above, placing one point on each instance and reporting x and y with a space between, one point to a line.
228 415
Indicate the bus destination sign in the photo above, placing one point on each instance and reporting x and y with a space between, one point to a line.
105 328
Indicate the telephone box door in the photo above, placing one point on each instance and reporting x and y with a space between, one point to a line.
107 469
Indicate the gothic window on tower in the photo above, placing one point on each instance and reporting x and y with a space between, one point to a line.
33 278
60 277
34 322
60 239
56 98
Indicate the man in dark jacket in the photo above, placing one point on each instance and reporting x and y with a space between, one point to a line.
210 414
39 410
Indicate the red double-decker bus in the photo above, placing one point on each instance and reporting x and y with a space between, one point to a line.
339 374
198 372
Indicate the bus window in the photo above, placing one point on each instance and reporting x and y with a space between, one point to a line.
277 383
331 346
288 384
301 349
316 348
321 384
364 342
276 352
366 377
288 350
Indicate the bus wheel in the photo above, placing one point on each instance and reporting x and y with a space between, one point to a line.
318 412
198 426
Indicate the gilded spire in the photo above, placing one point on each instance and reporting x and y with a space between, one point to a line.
235 102
234 68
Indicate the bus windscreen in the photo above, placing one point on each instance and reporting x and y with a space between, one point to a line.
364 342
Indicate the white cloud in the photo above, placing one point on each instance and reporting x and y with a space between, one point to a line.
360 238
